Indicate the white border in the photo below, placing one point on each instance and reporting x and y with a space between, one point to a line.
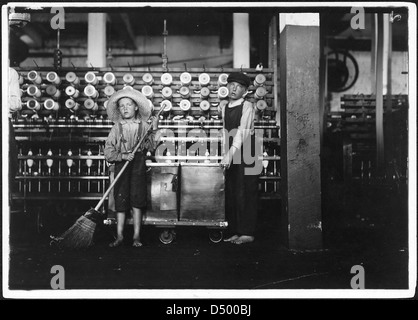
221 294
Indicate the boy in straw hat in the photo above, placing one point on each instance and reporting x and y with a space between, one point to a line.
130 110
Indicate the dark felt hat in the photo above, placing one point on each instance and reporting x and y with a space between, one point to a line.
239 77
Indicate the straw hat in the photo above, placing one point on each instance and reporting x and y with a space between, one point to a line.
143 104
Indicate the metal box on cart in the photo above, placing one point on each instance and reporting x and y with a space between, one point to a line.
202 197
186 194
162 192
202 193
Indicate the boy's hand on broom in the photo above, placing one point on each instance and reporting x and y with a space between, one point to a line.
154 122
128 156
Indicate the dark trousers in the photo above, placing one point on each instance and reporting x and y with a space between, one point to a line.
131 188
241 200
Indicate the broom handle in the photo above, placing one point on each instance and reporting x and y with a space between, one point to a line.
124 166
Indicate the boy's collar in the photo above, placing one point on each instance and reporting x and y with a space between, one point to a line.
236 102
135 120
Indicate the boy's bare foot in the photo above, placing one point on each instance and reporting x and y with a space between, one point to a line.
243 239
231 239
136 243
118 242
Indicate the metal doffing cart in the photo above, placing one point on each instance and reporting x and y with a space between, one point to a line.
184 194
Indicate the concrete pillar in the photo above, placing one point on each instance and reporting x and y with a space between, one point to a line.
300 131
96 40
241 40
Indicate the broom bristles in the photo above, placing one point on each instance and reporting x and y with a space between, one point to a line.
79 235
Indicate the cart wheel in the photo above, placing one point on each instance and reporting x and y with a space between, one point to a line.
216 236
167 236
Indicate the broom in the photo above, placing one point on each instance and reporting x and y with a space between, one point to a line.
80 234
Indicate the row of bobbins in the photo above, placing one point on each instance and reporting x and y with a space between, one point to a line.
90 93
260 91
184 90
54 164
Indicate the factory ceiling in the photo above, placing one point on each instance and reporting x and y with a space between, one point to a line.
124 25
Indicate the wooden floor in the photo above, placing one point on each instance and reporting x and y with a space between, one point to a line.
355 233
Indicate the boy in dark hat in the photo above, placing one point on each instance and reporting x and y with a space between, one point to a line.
241 189
129 110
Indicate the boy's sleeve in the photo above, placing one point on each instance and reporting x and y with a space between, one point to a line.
111 151
221 108
153 138
246 126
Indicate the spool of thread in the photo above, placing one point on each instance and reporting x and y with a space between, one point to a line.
34 77
147 91
204 92
109 78
223 92
33 104
148 157
222 79
53 78
265 162
167 93
105 104
69 161
90 104
49 162
204 105
259 79
91 92
185 78
71 104
261 105
51 105
109 90
207 155
128 79
29 161
127 88
148 78
166 79
168 154
90 77
89 162
151 104
34 91
166 104
260 92
52 91
184 92
185 105
72 92
72 78
204 79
